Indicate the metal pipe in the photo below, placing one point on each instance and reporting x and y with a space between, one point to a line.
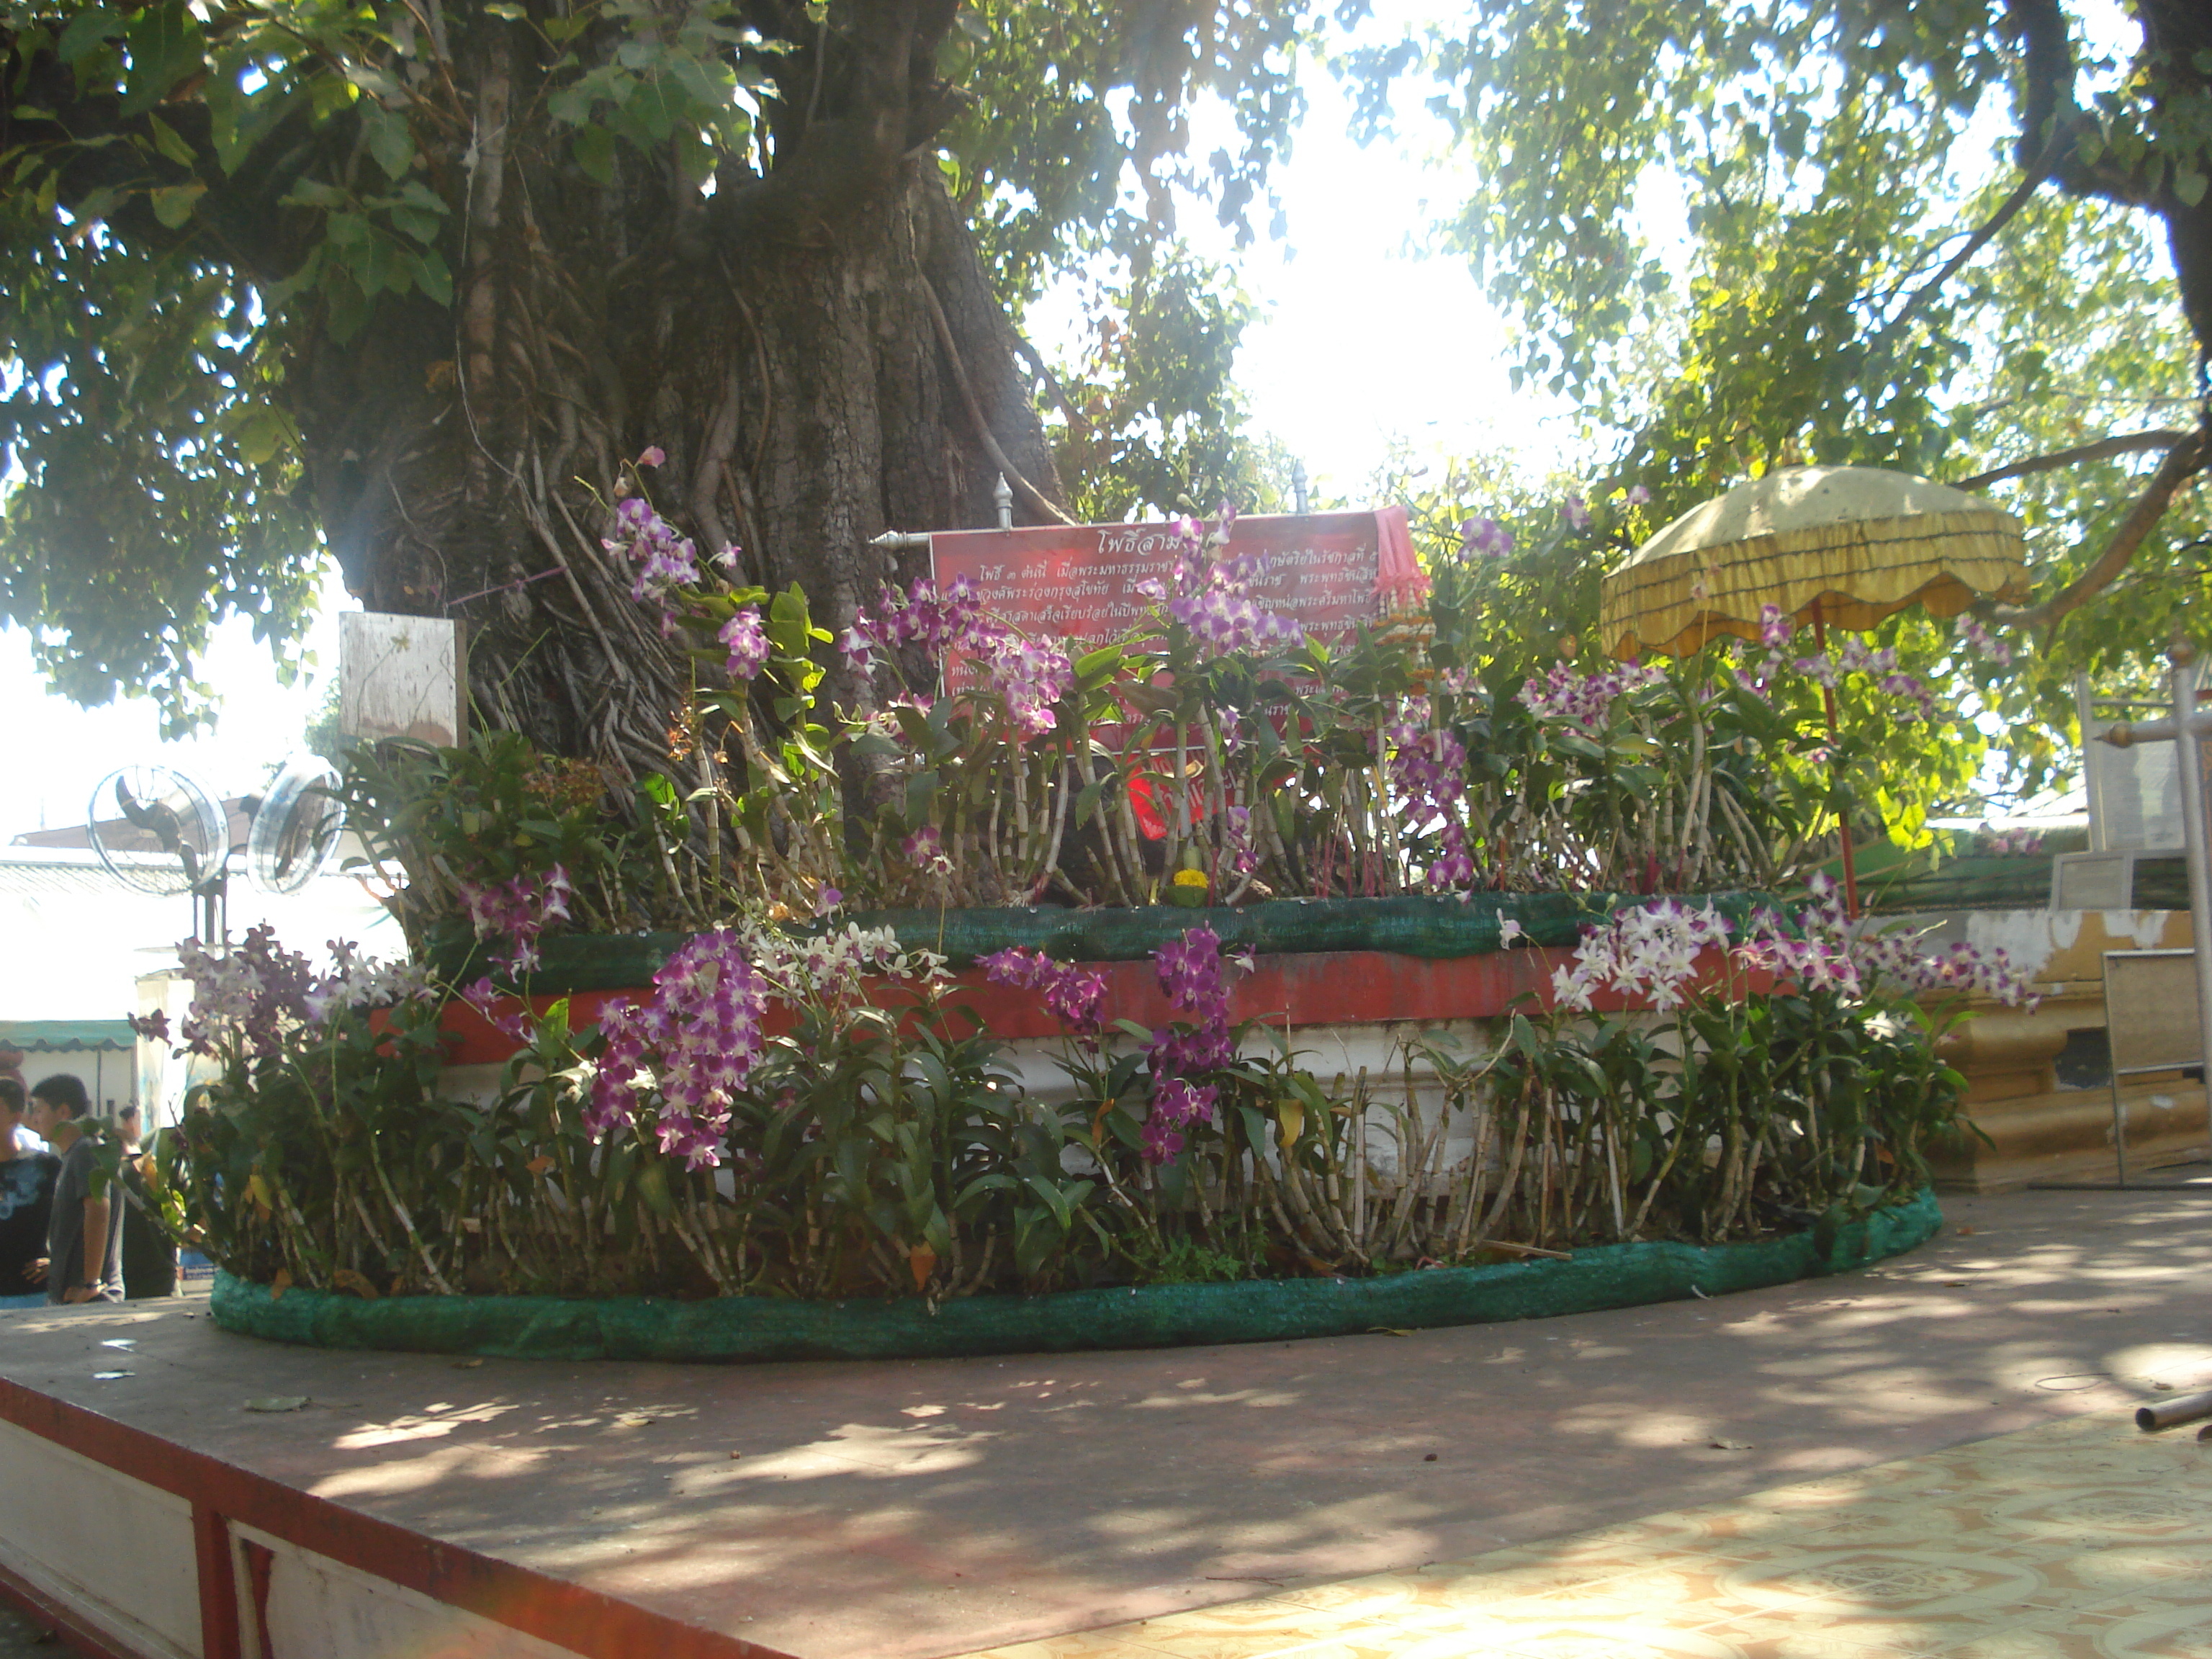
892 540
1843 818
1301 486
2167 1413
2190 771
1002 497
2125 734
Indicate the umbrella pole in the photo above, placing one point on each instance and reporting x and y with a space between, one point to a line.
1842 820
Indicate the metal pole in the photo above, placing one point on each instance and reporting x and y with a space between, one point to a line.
2190 770
1301 485
1002 496
1828 704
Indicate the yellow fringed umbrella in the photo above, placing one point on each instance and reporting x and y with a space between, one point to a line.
1843 544
1846 545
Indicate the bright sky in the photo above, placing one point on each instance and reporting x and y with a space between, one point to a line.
59 751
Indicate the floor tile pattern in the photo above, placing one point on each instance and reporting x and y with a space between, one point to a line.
2083 1539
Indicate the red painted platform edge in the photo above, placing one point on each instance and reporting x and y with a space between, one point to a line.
1330 987
57 1621
584 1621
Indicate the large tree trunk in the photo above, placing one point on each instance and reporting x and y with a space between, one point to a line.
796 383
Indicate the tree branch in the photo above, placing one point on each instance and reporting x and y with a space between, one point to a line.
2127 443
1036 497
2183 462
2047 104
872 100
2044 165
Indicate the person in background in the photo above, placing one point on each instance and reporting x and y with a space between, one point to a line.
150 1255
27 1174
23 1137
84 1236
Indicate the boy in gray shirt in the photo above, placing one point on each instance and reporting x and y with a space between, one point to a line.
87 1205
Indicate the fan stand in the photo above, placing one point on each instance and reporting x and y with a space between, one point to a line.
211 910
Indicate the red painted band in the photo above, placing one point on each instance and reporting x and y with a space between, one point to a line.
584 1621
1331 987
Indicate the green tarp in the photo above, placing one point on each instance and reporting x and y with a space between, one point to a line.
734 1328
68 1036
1414 925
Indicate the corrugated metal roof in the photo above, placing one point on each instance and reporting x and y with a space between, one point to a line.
59 880
73 872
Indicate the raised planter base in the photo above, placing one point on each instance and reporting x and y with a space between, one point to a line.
734 1329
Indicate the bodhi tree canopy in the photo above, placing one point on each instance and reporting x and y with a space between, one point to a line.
417 281
1969 238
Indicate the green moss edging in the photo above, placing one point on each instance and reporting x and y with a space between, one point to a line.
1413 925
1149 1317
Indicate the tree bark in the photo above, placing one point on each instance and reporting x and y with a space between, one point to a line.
467 464
773 334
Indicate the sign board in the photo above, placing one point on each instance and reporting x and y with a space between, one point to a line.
2150 1010
2135 793
1082 582
401 676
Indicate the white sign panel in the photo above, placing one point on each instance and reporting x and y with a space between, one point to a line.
401 676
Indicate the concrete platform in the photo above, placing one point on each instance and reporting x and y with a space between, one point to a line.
939 1507
2079 1539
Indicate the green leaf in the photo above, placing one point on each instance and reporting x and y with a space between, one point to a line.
173 204
653 1188
431 275
594 149
86 33
165 45
165 140
390 140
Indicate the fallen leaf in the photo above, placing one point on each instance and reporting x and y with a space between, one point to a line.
635 1422
921 1261
1386 1330
278 1402
346 1279
466 1364
1965 1229
281 1283
1729 1445
110 1376
539 1164
2161 1386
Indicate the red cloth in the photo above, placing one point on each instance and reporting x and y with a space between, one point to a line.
1399 579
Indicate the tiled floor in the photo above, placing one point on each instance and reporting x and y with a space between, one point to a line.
2079 1538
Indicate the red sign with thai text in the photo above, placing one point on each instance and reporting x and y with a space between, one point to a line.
1082 582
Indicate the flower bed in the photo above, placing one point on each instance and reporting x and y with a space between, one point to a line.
741 1091
826 1118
